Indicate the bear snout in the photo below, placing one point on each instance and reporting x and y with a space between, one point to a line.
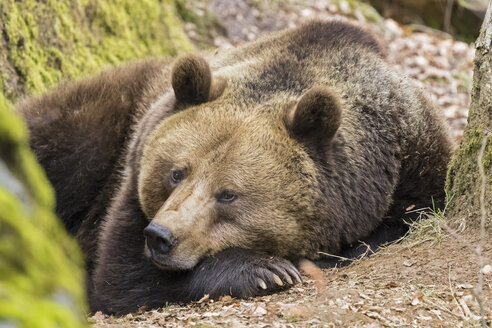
160 240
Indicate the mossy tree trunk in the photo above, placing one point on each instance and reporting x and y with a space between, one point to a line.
464 182
41 275
44 42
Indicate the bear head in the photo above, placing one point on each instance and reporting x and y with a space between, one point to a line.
217 174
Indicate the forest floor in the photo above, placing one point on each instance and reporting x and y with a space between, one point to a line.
427 280
421 282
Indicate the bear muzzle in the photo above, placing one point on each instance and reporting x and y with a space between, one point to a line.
178 236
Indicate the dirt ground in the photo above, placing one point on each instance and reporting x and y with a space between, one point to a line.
427 280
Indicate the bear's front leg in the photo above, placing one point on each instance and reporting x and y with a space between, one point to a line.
236 272
240 273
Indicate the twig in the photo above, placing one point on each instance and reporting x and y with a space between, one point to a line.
452 292
366 253
335 256
447 15
443 308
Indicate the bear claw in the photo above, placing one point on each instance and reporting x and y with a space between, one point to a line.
242 273
277 280
298 277
262 283
288 272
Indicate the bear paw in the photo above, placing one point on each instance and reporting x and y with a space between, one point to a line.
241 273
275 273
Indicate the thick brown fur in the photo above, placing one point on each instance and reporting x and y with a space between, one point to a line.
318 141
79 133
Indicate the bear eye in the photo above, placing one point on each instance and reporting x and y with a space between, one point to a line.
176 176
226 197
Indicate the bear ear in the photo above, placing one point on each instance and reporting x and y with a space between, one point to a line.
192 81
316 118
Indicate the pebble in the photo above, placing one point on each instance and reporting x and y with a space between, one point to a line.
487 269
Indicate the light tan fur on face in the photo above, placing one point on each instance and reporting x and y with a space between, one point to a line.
244 154
185 212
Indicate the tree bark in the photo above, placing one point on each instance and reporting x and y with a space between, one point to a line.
464 182
45 42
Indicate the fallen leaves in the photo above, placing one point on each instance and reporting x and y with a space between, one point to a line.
312 270
205 298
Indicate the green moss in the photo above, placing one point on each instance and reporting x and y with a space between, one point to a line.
41 276
369 13
464 182
52 40
43 42
204 24
462 177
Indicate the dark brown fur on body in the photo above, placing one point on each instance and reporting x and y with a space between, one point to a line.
320 143
79 134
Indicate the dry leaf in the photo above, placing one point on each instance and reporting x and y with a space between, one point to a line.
260 310
417 299
205 297
313 271
391 284
409 263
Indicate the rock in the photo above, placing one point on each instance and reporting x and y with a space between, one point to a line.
487 269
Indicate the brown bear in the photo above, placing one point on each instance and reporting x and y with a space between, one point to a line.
215 174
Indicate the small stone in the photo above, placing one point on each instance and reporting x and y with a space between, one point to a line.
260 310
487 269
421 61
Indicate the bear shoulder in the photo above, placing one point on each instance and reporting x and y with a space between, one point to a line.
335 34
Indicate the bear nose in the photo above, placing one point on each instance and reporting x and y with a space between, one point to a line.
160 239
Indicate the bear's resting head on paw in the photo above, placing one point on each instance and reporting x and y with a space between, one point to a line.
206 187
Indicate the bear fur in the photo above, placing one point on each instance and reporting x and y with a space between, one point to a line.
302 142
